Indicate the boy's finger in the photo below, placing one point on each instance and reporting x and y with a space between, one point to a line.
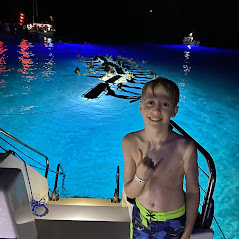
141 154
146 160
158 163
148 148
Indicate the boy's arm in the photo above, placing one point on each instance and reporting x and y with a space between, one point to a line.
192 189
132 187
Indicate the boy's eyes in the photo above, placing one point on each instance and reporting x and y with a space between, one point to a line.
150 102
163 104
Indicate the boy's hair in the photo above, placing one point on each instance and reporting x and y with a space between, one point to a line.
168 85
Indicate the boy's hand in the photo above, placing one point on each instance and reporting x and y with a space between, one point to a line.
146 166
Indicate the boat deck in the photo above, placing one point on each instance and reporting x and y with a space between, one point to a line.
48 229
84 218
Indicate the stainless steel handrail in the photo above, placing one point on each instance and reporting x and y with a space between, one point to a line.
208 204
27 146
55 195
116 198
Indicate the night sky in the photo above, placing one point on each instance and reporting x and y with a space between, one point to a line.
214 23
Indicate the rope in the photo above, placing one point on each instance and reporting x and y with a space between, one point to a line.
36 205
24 154
3 148
219 227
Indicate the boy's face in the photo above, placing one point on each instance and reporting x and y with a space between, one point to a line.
157 108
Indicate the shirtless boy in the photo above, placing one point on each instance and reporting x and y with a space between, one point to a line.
156 161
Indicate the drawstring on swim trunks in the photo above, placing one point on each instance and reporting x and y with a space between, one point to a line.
151 215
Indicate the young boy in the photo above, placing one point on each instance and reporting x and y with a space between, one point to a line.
156 160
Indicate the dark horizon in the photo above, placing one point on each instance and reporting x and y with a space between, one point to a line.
213 23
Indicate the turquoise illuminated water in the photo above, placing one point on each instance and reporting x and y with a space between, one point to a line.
42 104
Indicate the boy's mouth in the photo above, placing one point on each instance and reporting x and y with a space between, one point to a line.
155 119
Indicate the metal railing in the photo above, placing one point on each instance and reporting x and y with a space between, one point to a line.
29 147
55 195
208 203
116 198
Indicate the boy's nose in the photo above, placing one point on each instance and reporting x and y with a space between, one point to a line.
157 107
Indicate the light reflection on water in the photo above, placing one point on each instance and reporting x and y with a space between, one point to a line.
182 83
25 57
48 71
3 63
19 79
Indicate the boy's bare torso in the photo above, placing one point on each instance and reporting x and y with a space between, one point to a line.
164 190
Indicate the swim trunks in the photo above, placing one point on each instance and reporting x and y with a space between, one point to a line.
147 224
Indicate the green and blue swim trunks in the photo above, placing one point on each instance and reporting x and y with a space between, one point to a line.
147 224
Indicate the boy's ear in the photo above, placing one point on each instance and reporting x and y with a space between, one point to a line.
140 106
175 111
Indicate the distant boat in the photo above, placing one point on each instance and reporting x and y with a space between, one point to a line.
189 40
40 29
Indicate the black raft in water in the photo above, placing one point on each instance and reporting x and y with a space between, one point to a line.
94 93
